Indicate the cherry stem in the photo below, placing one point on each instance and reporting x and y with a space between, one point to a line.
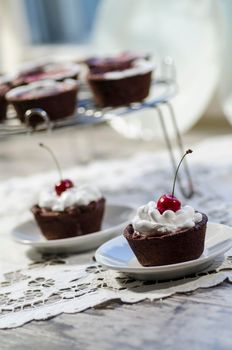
53 157
177 169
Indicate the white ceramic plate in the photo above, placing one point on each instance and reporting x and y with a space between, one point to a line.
115 220
116 254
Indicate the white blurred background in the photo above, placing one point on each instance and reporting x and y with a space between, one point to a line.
194 33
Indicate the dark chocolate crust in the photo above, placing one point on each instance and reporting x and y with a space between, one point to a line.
73 221
37 74
4 88
118 92
23 80
108 65
119 62
171 248
58 106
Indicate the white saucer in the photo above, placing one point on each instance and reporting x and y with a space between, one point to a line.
115 220
116 254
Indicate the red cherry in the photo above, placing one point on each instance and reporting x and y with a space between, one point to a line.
168 202
63 185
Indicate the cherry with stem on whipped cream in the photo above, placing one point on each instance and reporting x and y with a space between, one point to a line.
169 201
63 184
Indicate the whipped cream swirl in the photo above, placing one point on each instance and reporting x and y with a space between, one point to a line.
80 195
41 88
139 67
149 218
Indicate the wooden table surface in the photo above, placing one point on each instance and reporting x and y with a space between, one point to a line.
202 320
199 320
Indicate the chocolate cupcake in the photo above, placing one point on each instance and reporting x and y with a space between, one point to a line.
4 88
76 211
165 233
66 210
122 86
58 99
168 238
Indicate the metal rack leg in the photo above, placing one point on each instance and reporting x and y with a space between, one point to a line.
181 147
186 193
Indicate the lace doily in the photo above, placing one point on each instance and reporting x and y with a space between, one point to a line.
51 286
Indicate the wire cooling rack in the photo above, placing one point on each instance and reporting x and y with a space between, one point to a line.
87 113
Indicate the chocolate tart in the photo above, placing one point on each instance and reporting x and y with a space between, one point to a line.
58 99
120 80
73 221
59 71
110 64
170 247
4 88
119 92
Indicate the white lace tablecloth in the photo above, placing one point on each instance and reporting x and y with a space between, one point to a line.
35 287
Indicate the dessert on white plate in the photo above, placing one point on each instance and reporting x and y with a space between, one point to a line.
71 218
116 217
116 254
66 210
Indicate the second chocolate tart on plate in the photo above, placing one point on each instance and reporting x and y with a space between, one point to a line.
116 216
77 211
